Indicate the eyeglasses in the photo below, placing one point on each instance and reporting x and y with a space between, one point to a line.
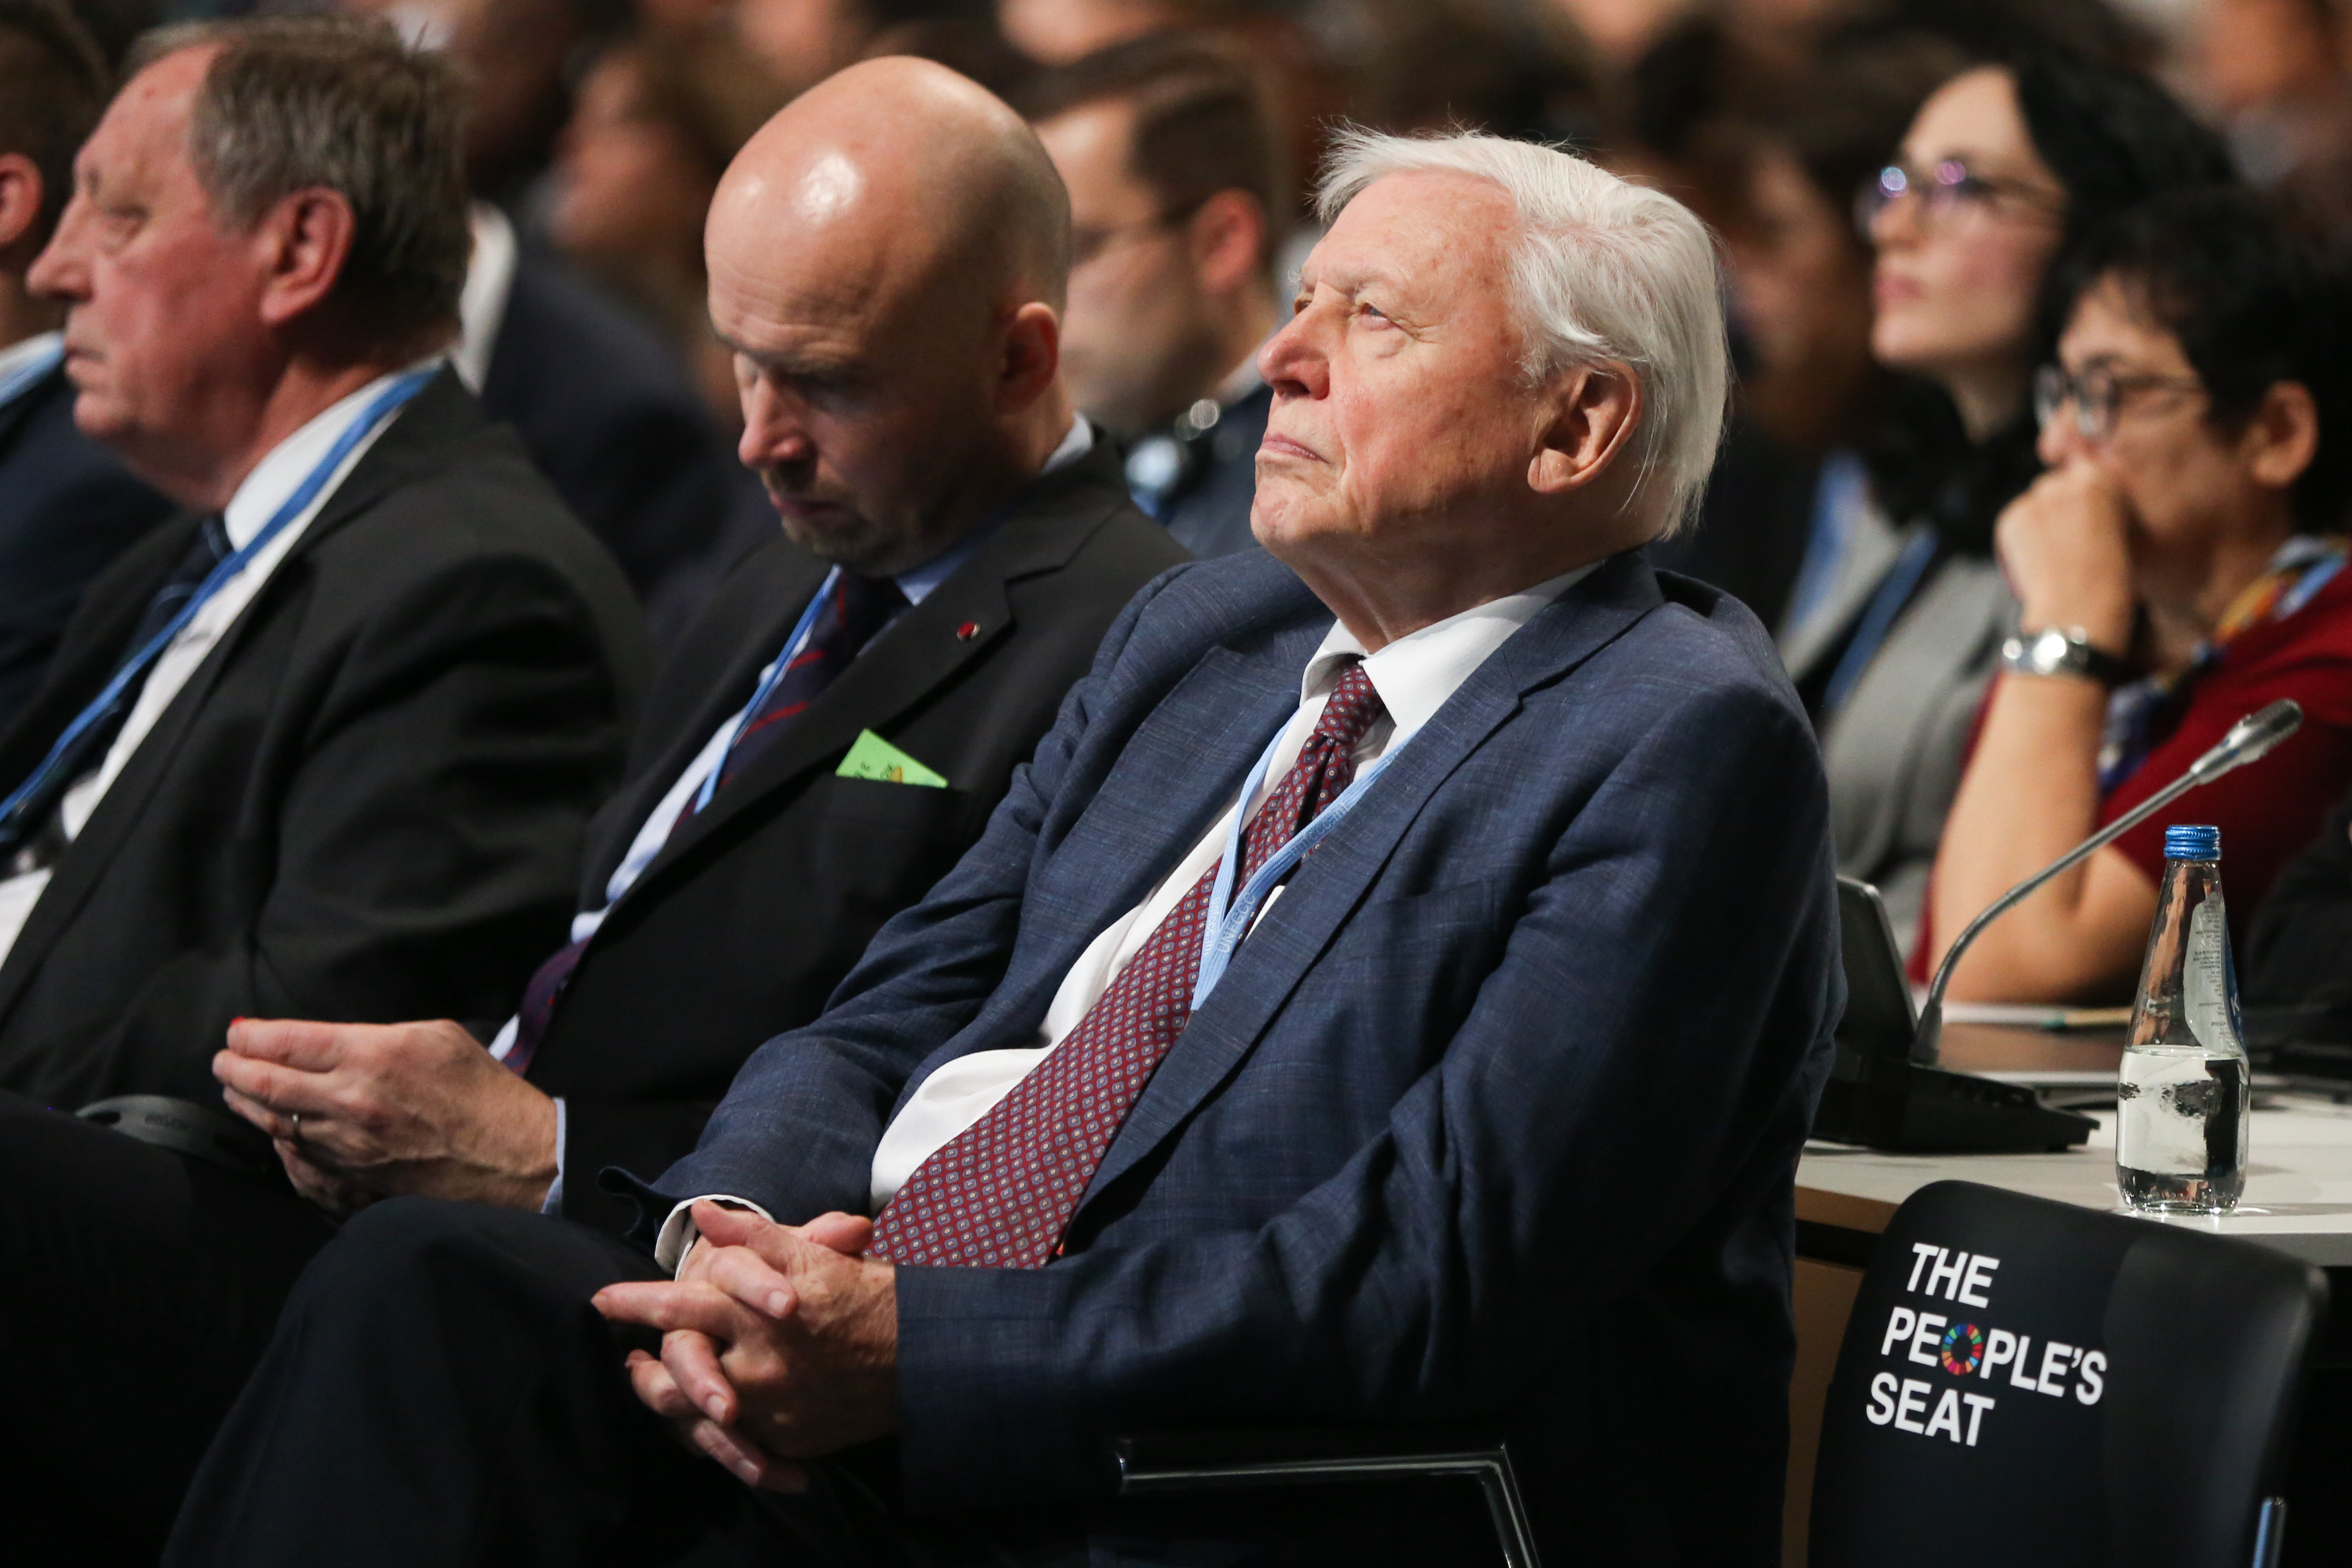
1089 243
1945 192
2097 396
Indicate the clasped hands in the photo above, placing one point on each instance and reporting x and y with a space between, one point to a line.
360 1112
779 1343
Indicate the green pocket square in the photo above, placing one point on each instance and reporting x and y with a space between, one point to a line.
875 757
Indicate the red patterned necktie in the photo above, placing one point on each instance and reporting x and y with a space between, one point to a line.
1001 1194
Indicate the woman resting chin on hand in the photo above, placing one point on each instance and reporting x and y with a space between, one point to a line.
2178 567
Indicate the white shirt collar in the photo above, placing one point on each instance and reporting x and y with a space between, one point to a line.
489 284
23 364
1415 673
277 476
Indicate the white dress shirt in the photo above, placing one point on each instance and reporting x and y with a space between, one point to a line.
275 478
1414 675
654 833
489 284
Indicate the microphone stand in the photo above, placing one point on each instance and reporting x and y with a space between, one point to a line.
2247 739
1885 1091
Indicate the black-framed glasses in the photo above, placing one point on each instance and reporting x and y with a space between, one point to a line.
2097 396
1088 244
1944 192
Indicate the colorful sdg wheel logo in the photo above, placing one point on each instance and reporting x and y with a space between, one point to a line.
1963 1350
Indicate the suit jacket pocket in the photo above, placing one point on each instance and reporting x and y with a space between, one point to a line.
883 845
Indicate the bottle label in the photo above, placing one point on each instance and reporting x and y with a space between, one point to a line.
2205 978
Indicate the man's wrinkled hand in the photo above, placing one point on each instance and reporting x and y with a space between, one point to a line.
387 1109
2065 545
780 1342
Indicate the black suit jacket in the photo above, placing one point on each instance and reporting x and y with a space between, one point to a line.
754 910
367 804
609 417
68 509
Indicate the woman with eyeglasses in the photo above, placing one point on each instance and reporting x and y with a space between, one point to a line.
2179 566
2006 168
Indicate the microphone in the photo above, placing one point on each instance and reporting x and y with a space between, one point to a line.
2250 740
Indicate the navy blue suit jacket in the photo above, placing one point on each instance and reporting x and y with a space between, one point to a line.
1493 1119
68 508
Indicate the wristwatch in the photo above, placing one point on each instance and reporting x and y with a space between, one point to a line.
2063 651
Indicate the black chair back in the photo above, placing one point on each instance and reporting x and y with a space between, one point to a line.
2028 1382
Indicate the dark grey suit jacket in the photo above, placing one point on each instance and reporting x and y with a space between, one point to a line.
68 509
368 801
1494 1118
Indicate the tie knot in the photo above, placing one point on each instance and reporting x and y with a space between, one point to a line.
1351 710
862 597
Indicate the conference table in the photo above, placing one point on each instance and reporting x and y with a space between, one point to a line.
2298 1199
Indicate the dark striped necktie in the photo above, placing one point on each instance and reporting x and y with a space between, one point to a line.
35 816
857 611
860 608
1001 1192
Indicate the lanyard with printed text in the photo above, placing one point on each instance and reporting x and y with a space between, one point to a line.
1229 916
135 667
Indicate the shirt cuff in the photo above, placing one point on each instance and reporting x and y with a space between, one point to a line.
678 1234
554 1202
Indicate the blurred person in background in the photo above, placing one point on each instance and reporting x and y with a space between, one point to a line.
799 42
1177 199
2179 566
2273 74
2298 950
68 505
2008 169
1497 66
1775 168
603 400
636 171
1057 32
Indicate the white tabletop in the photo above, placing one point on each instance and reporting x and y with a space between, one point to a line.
2298 1185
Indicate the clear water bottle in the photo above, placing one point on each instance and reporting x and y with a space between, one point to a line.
2182 1098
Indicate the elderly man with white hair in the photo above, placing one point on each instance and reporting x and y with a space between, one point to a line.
1394 997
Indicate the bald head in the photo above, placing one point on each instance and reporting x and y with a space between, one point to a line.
898 175
888 258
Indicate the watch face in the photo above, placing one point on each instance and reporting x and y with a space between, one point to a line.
2050 649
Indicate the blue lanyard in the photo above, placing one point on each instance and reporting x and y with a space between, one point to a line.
1229 917
792 646
135 667
16 384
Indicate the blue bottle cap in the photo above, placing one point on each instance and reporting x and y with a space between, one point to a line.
2192 843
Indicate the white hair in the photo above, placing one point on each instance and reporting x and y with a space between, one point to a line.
1603 269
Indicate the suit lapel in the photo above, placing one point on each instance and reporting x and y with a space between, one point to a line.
1277 957
955 623
779 581
443 412
1173 777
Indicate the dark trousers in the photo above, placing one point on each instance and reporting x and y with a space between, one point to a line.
440 1392
138 1288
